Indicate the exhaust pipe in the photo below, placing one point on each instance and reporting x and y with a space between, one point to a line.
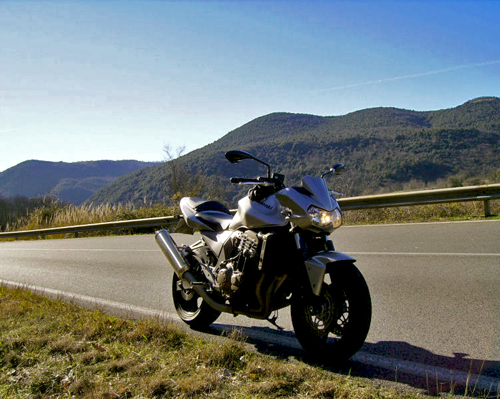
169 249
181 268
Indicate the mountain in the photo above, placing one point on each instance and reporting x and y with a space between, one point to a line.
71 182
384 149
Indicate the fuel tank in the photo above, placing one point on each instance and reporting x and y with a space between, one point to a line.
258 214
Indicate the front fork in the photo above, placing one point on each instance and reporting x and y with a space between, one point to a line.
317 263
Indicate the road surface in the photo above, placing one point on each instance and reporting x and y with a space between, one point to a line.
435 289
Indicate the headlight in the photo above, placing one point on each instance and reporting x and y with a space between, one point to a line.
324 219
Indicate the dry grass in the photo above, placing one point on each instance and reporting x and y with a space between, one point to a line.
50 349
54 215
473 210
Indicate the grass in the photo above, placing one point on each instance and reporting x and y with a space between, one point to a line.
50 349
70 215
473 210
56 215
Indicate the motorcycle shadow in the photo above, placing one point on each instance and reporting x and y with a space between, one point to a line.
283 344
458 373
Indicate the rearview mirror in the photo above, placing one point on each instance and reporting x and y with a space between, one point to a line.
237 156
337 169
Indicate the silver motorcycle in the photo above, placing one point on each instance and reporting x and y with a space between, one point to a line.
274 252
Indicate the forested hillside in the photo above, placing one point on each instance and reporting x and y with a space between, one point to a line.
71 182
384 149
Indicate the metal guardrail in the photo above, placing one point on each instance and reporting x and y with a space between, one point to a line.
484 193
123 224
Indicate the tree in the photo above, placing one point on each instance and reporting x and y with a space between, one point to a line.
179 180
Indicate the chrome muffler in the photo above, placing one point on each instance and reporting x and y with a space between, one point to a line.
181 268
169 249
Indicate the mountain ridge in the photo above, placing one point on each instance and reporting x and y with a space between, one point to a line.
384 149
67 181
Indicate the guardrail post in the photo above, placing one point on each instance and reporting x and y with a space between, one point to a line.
487 208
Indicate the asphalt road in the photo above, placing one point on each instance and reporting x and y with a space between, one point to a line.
435 289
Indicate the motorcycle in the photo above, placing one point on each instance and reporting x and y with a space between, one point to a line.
273 253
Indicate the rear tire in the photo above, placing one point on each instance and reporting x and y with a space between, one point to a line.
190 307
334 325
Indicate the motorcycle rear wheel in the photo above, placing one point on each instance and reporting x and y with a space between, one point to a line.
334 325
191 308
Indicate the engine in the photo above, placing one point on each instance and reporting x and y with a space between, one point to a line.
241 264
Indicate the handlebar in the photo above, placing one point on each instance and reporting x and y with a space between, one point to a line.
242 180
265 181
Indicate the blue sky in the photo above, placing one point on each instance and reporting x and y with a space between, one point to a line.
90 80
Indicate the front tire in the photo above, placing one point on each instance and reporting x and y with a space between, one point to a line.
190 307
334 325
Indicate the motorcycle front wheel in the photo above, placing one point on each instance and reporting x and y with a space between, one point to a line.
334 325
190 307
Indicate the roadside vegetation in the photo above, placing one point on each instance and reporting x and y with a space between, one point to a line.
50 349
473 210
55 214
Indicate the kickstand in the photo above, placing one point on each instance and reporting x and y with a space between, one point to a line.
273 319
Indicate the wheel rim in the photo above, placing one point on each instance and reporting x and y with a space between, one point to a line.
330 315
187 301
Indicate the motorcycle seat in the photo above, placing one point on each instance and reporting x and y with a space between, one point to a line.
211 214
216 220
202 205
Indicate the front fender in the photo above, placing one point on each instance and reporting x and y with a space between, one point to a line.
316 267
